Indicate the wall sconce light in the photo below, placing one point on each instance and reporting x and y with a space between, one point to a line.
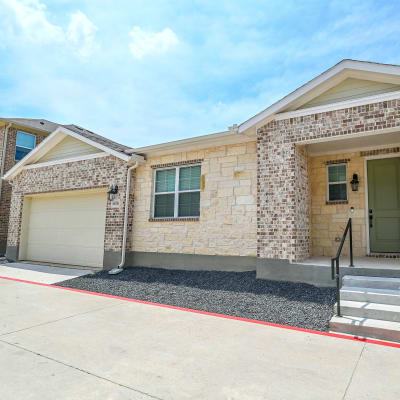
354 183
112 193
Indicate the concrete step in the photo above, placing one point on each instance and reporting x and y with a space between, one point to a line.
366 327
385 312
371 282
370 295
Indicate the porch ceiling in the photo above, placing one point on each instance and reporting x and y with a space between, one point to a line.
359 143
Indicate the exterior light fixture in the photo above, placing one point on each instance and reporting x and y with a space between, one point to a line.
354 183
112 193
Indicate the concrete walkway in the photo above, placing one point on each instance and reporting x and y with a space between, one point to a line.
56 343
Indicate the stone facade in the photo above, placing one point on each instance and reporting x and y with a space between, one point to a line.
283 220
227 223
5 198
86 174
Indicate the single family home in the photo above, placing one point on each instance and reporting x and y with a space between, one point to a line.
269 194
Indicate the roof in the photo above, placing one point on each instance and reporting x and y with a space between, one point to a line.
34 123
98 138
322 82
104 145
49 127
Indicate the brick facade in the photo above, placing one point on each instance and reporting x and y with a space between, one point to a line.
5 198
283 220
86 174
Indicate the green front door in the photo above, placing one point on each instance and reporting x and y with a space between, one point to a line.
384 204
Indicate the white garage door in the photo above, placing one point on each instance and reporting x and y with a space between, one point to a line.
66 229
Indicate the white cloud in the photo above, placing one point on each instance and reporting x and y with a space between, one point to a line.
26 21
147 43
31 19
81 33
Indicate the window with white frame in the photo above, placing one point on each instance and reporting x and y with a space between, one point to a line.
25 143
177 192
337 182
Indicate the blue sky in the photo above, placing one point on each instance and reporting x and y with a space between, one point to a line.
146 72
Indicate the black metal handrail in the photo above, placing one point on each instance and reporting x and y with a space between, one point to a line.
335 262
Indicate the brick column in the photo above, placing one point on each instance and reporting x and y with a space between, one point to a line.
283 198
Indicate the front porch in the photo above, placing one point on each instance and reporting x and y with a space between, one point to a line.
359 262
373 161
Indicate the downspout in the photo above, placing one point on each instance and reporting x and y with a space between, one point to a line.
3 158
120 267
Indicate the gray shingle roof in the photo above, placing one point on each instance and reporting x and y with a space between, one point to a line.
39 124
97 138
49 126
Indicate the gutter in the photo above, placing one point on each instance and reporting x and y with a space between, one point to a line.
120 267
3 159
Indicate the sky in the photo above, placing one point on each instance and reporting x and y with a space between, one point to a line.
148 72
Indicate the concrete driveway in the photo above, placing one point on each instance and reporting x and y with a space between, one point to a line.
40 273
57 343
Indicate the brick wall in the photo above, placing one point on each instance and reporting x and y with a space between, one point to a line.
283 226
86 174
5 198
227 223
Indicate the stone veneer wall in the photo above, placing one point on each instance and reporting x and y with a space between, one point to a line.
5 198
329 219
86 174
227 223
282 221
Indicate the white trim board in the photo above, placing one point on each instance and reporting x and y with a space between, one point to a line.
66 160
56 137
323 82
339 105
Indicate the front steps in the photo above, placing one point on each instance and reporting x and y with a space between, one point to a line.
370 307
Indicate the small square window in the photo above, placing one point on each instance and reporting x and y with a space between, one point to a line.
24 144
337 182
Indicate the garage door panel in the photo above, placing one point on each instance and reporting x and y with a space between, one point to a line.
67 229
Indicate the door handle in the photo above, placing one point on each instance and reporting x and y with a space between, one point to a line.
370 218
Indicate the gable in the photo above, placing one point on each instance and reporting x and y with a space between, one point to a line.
351 88
69 147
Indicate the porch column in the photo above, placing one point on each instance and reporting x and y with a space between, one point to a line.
283 223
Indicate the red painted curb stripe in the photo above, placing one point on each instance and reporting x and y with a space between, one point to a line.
253 321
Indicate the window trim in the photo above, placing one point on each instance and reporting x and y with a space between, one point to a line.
328 200
176 192
23 147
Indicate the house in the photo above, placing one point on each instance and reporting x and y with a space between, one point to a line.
265 195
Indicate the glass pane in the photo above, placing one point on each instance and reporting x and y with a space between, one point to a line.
189 178
25 140
164 205
337 173
165 180
20 153
189 204
337 192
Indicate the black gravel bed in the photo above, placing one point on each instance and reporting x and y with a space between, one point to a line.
238 294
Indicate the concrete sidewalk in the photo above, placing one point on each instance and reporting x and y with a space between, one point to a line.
61 344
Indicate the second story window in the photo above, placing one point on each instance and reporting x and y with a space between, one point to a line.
25 143
177 192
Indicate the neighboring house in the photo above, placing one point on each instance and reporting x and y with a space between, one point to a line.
18 136
266 195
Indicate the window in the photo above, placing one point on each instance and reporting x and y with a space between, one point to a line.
337 182
177 192
25 143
